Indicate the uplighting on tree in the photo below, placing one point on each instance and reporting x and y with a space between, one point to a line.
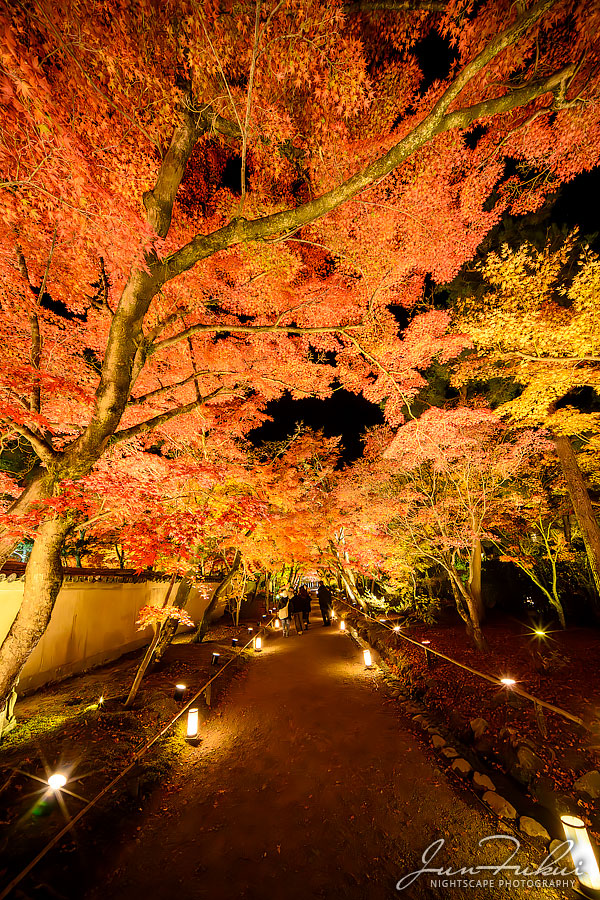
582 854
367 658
57 781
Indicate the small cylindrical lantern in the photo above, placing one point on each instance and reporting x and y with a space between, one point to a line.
277 623
192 724
368 660
234 642
250 630
179 692
582 852
215 659
342 625
258 643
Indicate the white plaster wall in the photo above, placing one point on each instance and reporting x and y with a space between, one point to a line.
92 623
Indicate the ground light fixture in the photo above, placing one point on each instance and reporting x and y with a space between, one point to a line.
539 632
257 644
250 630
277 623
367 658
192 724
396 628
214 661
234 642
57 781
342 625
508 682
582 854
179 692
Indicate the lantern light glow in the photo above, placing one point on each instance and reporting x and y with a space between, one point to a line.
57 781
277 623
180 690
367 657
508 682
257 644
582 852
215 659
342 625
192 724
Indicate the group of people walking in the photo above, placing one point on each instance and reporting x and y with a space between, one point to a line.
296 606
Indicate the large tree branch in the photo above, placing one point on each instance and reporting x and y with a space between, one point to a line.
126 433
248 329
437 122
42 448
363 6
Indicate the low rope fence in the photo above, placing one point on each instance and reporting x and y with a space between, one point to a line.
491 678
134 760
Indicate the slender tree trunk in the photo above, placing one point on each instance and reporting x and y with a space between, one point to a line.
169 628
582 505
467 609
43 580
221 589
150 651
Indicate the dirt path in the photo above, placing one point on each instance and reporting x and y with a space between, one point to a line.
308 784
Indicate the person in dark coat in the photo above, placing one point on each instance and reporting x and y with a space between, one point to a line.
296 604
325 603
305 601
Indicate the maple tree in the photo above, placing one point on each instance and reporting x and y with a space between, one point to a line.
149 296
535 320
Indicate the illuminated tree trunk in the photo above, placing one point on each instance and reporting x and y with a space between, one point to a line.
150 651
169 628
43 580
582 505
475 579
221 589
467 607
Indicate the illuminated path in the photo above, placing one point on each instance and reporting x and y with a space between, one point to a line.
307 784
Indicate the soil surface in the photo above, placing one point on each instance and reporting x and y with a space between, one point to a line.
308 782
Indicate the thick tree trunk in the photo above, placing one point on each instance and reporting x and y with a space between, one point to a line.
475 579
43 580
582 505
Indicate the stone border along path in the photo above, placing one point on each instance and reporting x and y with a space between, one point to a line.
468 761
309 781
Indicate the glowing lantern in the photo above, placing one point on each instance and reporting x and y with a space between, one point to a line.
101 701
540 632
277 623
57 781
192 724
396 628
179 692
234 642
508 682
582 852
342 625
215 659
257 644
368 660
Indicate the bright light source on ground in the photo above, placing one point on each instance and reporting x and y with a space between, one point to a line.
383 621
250 630
539 632
234 642
368 660
192 724
215 659
179 691
57 781
257 644
277 623
508 682
426 643
396 628
582 852
342 625
101 701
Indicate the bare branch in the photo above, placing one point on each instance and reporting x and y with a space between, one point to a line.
42 448
248 329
